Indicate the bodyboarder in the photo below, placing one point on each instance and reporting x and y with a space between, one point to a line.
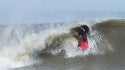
81 33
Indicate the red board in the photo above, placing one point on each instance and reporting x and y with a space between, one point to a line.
83 45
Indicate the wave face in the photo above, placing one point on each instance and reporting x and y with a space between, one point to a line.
26 44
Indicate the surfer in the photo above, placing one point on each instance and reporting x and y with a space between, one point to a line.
81 33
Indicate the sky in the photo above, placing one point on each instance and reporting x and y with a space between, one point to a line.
31 11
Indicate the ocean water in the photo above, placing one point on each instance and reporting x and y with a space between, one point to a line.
51 45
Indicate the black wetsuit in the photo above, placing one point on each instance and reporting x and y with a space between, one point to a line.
83 34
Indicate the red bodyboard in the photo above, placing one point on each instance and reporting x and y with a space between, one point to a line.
83 45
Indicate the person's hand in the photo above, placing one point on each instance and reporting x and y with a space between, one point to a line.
80 36
93 35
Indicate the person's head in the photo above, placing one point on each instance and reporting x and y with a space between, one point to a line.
86 28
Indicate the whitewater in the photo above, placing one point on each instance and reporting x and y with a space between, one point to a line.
28 44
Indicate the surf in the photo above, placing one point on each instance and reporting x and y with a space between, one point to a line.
24 44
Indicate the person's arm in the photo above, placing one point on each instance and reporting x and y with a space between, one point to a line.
80 37
90 35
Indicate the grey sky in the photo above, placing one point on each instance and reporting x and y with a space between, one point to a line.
22 10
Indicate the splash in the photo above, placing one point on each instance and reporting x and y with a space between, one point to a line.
21 43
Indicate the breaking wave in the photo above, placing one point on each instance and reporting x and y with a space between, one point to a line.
25 44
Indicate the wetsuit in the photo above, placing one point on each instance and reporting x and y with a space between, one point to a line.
82 34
